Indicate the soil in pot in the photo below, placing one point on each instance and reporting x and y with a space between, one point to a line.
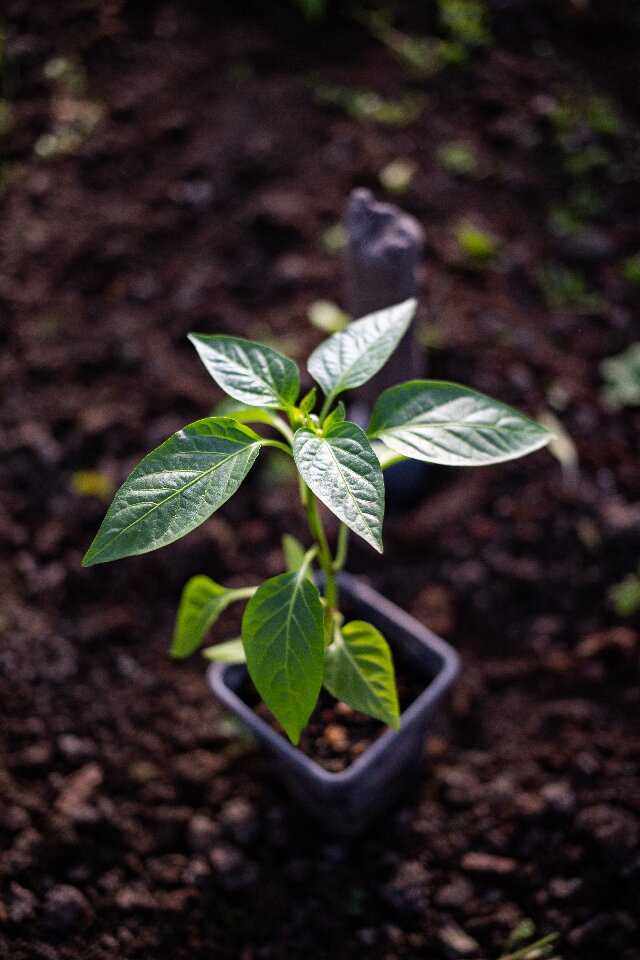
336 735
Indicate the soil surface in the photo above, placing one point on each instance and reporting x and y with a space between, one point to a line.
178 169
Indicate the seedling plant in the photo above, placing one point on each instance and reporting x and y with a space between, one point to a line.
294 638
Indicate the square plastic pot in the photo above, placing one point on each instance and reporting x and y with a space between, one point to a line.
345 803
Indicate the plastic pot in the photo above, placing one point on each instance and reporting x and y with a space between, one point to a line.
346 802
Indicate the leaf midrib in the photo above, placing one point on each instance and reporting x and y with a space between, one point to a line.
361 675
348 488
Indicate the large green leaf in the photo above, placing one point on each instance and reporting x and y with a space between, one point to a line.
232 651
248 371
445 423
350 358
342 470
358 670
201 603
176 488
283 637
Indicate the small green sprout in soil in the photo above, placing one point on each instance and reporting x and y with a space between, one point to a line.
74 115
625 595
313 10
564 288
294 638
92 483
397 176
458 157
521 945
327 316
480 246
622 375
630 269
466 22
333 239
365 105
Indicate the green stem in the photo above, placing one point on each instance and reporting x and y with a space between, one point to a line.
244 593
524 952
279 424
341 551
326 564
278 446
325 407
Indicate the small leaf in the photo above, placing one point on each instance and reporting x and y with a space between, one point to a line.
358 670
230 652
201 603
336 416
283 637
175 488
308 402
350 358
248 371
445 423
294 555
341 468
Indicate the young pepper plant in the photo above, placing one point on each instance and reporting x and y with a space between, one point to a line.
294 638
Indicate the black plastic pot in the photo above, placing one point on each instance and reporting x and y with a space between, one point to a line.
346 802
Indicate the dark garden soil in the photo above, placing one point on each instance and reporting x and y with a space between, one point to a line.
201 176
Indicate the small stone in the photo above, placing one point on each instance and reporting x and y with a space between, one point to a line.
336 736
615 831
407 891
197 872
78 788
34 758
238 819
233 870
167 870
434 607
143 771
461 786
455 894
76 750
202 832
367 936
529 805
16 819
488 863
456 942
559 797
22 904
135 896
198 767
620 642
562 889
66 907
24 852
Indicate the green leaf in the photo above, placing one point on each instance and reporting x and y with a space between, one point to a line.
248 371
283 637
175 488
230 652
342 470
358 670
445 423
201 603
339 415
294 555
308 402
350 358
